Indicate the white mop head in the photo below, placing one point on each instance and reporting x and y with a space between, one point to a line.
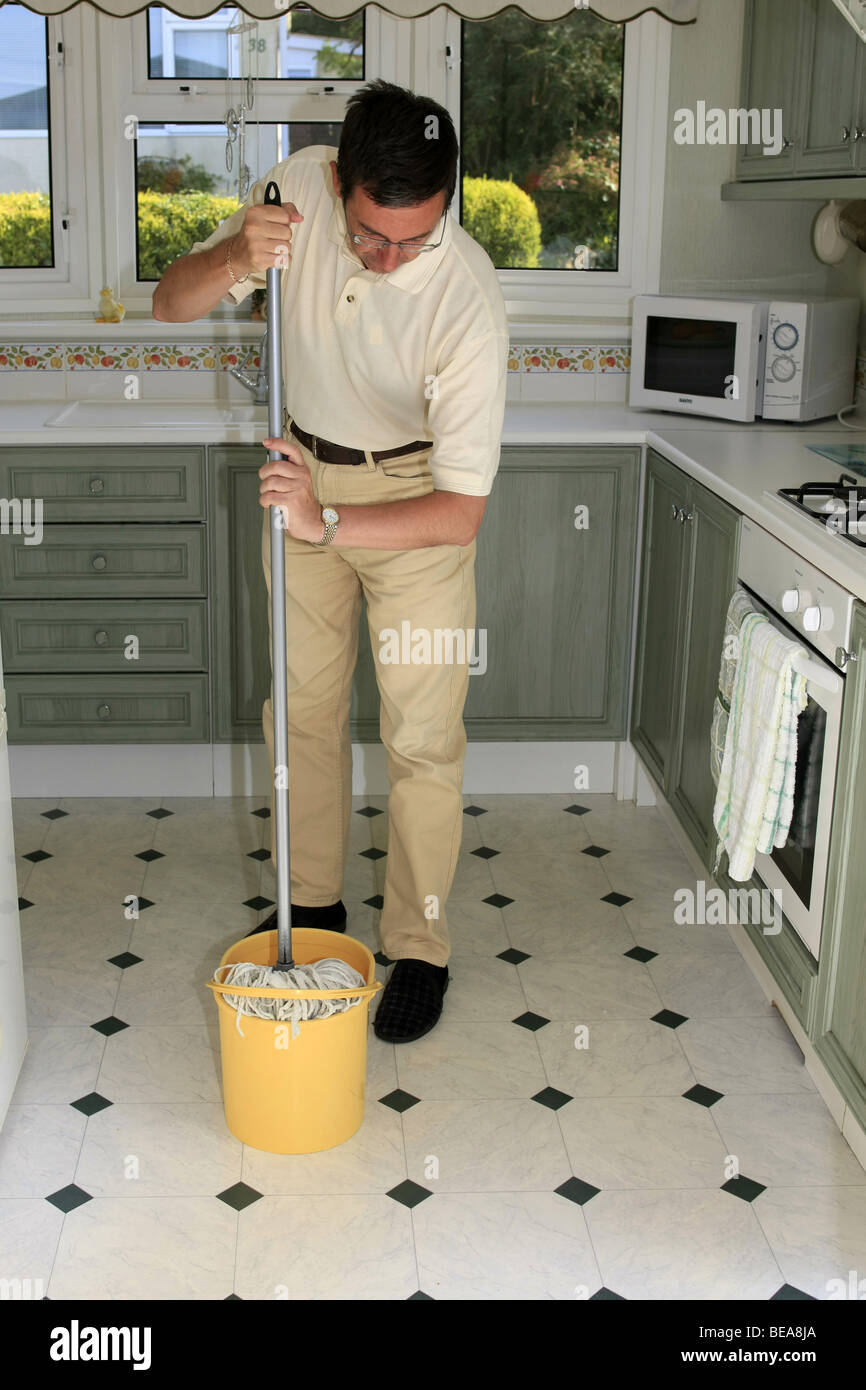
331 973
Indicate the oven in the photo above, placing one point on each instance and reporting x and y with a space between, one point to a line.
806 606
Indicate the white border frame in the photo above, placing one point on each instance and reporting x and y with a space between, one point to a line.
103 79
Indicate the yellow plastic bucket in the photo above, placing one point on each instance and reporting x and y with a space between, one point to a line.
296 1095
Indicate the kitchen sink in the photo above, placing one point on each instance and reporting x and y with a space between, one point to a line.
192 415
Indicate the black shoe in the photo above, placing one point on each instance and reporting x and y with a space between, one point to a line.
330 918
412 1000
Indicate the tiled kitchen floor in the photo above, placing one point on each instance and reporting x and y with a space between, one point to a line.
564 1171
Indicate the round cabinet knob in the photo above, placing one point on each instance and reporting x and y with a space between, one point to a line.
103 711
812 619
97 485
99 562
790 600
101 638
783 368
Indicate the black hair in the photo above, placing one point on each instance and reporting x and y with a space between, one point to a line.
393 150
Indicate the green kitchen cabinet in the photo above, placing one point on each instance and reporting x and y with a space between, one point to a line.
554 599
101 482
772 55
830 79
688 573
839 1030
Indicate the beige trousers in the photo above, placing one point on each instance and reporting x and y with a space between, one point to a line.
408 593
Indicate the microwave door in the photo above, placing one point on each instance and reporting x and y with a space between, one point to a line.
691 357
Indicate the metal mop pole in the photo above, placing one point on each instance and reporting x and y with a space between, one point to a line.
278 623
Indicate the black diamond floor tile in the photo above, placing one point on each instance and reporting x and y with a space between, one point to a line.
141 902
55 814
703 1095
531 1021
399 1100
669 1019
576 1190
617 899
263 813
24 902
640 953
789 1293
604 1294
485 852
376 901
148 855
258 902
577 810
474 811
36 856
260 854
382 959
745 1188
370 811
512 956
409 1193
595 851
553 1099
239 1196
68 1198
159 814
124 960
92 1104
420 1295
497 900
373 853
108 1026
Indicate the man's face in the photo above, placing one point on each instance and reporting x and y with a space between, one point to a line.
418 223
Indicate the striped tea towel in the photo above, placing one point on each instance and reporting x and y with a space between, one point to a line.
755 795
739 607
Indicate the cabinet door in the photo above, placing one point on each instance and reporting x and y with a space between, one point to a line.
771 58
659 637
840 1027
555 595
830 85
712 536
240 642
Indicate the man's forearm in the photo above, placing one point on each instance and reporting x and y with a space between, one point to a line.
437 519
193 285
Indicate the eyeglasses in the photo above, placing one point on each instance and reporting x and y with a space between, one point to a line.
406 247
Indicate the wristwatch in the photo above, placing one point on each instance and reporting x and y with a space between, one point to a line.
331 519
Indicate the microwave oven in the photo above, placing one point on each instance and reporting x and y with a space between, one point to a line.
739 358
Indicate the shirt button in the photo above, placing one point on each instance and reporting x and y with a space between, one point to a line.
350 298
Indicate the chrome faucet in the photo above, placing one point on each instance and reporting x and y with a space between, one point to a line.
259 386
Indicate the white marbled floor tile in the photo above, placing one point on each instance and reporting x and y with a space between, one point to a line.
370 1161
168 1150
39 1149
464 1058
705 983
818 1236
29 1233
68 991
480 988
60 1065
146 1248
471 1145
504 1245
787 1140
162 1064
325 1249
614 1057
642 1141
677 1245
744 1055
588 927
594 987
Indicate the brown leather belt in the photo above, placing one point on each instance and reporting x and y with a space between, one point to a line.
327 452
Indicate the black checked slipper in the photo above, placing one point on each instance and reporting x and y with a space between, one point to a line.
411 1002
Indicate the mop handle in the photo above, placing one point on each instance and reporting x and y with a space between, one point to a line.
278 621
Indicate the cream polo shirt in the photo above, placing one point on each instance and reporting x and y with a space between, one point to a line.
378 360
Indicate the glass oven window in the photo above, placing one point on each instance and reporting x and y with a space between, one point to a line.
796 858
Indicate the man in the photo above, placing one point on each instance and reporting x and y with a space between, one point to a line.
395 345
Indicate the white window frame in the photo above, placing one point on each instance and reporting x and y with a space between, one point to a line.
102 80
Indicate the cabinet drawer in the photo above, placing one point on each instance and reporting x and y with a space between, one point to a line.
113 561
85 483
77 635
107 709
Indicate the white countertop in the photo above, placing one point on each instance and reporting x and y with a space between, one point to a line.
737 462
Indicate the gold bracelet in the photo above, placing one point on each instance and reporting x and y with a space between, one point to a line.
229 263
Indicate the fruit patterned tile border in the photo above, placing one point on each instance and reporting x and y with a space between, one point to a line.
575 357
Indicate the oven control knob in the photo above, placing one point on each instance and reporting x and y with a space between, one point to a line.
783 368
812 619
790 600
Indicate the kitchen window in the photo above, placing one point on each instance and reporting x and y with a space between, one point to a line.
140 169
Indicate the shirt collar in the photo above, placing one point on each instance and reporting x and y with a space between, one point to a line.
410 276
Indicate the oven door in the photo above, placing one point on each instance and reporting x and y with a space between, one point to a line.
798 870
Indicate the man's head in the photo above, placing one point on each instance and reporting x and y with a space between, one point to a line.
396 170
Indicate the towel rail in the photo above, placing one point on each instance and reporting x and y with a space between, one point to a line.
814 671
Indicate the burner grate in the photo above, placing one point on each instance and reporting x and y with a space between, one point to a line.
838 507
